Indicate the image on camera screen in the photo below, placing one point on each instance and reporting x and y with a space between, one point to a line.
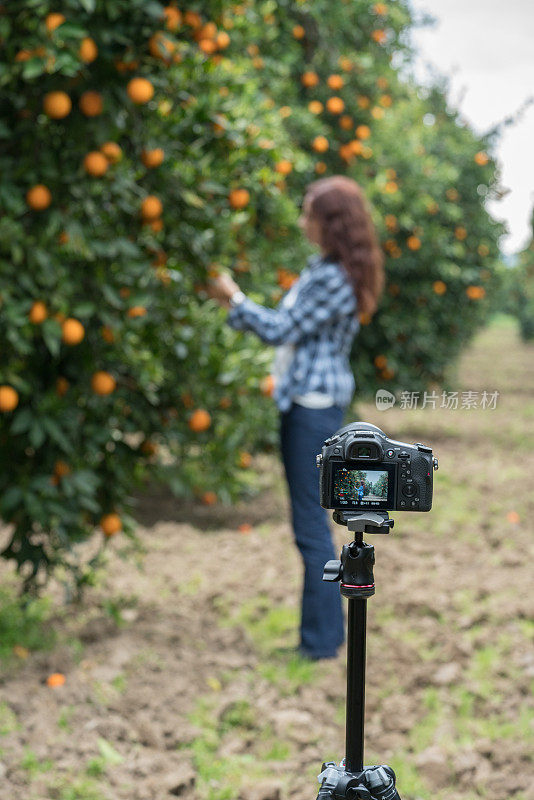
361 488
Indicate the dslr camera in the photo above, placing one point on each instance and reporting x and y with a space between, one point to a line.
362 469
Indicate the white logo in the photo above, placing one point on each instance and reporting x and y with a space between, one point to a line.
384 399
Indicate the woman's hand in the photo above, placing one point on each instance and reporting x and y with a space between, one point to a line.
221 289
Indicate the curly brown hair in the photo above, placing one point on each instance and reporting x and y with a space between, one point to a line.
348 235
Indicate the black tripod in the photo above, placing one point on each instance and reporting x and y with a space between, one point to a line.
351 779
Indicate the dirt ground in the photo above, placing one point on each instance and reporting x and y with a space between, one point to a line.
177 680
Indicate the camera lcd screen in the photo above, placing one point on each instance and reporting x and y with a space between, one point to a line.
363 486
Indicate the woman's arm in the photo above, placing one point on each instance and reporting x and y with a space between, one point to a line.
326 296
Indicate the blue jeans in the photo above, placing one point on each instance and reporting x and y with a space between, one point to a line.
302 435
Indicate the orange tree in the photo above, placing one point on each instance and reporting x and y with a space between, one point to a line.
340 76
126 141
145 147
521 288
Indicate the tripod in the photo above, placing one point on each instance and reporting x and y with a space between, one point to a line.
350 779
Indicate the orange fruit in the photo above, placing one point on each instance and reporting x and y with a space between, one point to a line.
107 334
391 222
335 105
38 312
57 678
298 32
173 18
245 527
149 448
378 36
61 468
111 524
38 197
239 198
112 152
63 237
161 47
391 187
267 385
380 8
245 459
140 90
208 498
222 40
475 292
315 106
72 331
309 78
320 144
335 81
136 311
200 420
91 103
413 242
460 233
103 383
483 250
153 158
363 132
284 167
207 46
57 105
481 158
513 517
53 21
62 386
345 122
88 50
380 362
452 195
151 207
9 398
95 163
225 402
439 287
23 55
156 225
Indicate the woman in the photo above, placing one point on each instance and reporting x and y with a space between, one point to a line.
313 328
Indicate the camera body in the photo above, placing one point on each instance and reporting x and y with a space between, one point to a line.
362 469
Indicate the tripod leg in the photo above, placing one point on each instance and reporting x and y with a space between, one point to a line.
355 684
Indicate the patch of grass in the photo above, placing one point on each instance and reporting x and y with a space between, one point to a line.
408 781
72 788
97 767
288 673
33 765
423 734
8 720
64 719
23 622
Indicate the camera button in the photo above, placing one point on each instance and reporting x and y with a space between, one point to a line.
337 449
413 503
390 453
408 472
402 503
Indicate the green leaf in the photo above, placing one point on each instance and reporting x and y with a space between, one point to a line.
33 68
193 199
56 434
22 421
51 331
89 5
37 434
108 753
10 499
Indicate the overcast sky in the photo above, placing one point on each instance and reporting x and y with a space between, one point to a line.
487 49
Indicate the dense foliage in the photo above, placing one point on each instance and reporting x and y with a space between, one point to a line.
144 148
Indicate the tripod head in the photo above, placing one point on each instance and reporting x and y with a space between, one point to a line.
364 521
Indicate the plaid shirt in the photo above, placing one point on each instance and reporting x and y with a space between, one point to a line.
321 324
